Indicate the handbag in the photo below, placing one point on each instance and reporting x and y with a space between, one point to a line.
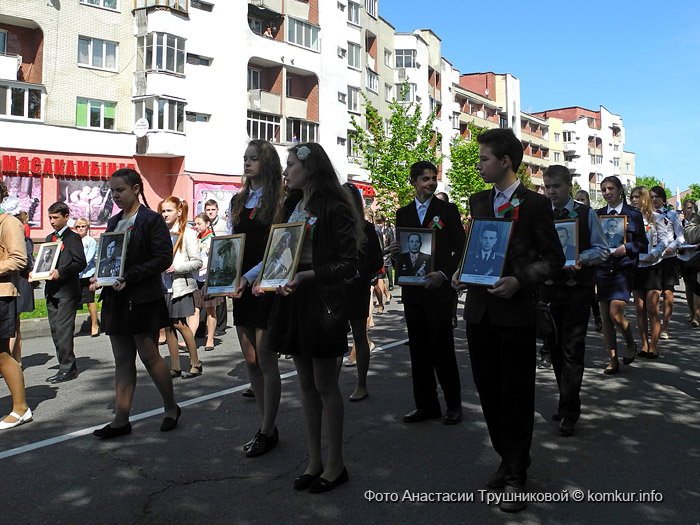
545 327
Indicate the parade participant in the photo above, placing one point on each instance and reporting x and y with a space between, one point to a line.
133 308
615 276
688 261
252 211
583 197
220 227
180 285
568 294
501 319
87 296
202 225
428 308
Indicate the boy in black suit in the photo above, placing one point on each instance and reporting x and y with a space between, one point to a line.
501 319
428 309
62 290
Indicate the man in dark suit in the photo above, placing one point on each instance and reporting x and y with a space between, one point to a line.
486 261
413 263
428 308
62 290
501 319
569 249
110 264
613 237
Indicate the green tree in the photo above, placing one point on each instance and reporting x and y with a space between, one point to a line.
649 181
388 156
464 179
525 177
576 188
695 193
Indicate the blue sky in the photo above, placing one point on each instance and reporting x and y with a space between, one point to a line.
639 59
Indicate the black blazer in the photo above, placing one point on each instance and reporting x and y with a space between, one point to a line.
148 254
370 259
71 261
637 241
449 244
534 255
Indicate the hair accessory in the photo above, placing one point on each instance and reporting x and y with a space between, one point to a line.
11 205
303 152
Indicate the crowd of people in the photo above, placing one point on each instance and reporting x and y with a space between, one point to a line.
346 260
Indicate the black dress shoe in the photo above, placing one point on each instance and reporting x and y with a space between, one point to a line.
497 480
421 414
567 427
190 374
262 445
304 481
219 333
452 417
62 377
170 423
248 392
109 431
513 499
247 446
556 417
323 485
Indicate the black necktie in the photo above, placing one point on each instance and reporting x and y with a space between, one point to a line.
561 213
613 212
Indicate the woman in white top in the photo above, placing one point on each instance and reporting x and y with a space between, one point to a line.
689 273
181 284
87 296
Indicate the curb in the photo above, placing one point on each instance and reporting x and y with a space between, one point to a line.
39 327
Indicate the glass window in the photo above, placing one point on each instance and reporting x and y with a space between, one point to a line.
372 81
17 105
95 114
354 12
388 92
405 58
3 41
387 58
256 25
109 4
163 52
353 99
301 131
3 100
371 7
253 79
354 51
263 126
302 34
97 53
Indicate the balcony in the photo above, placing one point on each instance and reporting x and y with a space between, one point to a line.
165 144
22 101
272 5
177 5
569 146
9 66
533 139
264 101
371 63
479 122
537 161
295 107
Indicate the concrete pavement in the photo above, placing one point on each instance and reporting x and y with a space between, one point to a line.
639 431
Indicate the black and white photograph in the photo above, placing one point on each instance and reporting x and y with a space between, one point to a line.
567 230
46 259
91 199
614 228
415 261
484 253
110 257
224 265
281 254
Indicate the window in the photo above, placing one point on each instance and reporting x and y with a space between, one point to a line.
197 60
162 52
3 41
256 25
302 34
502 121
372 81
405 95
354 13
405 58
97 53
568 136
301 131
197 117
262 126
616 147
557 156
596 159
627 166
19 102
162 114
254 79
557 137
95 114
388 92
108 4
352 148
371 7
288 91
353 99
354 51
616 162
204 6
388 58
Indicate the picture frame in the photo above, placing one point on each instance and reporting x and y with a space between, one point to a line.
224 264
567 230
490 236
46 260
421 243
111 256
281 255
614 230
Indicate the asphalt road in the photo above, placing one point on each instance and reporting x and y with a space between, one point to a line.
639 432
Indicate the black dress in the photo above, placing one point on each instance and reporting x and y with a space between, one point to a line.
370 262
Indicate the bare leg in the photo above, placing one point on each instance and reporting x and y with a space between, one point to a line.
95 328
654 322
361 347
326 382
171 339
247 339
668 309
617 314
272 384
188 337
12 373
124 350
380 299
158 370
640 307
16 343
193 322
313 410
211 325
609 334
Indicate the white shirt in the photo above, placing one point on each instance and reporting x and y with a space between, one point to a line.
504 196
618 209
422 208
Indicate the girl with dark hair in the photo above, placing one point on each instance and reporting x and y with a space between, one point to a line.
671 234
133 309
614 277
180 285
252 211
202 225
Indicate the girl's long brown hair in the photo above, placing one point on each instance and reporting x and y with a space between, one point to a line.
180 205
645 203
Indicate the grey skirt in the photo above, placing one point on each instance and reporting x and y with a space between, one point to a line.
180 308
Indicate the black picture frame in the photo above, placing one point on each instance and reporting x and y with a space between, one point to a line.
46 260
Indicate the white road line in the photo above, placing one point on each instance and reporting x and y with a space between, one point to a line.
144 415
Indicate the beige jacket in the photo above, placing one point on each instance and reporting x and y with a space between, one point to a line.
186 261
13 254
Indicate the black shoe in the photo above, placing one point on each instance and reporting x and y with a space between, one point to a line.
653 355
304 481
629 355
246 447
513 499
544 363
420 414
567 427
643 353
109 431
248 392
598 324
62 377
452 417
219 333
262 444
497 480
323 485
196 373
175 373
613 367
170 423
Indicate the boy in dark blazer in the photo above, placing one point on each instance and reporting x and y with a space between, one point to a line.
501 319
428 308
62 291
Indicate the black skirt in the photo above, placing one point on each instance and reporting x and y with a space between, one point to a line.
121 318
252 311
647 278
87 296
8 317
669 273
25 301
357 305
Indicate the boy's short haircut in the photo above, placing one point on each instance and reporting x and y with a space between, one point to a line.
557 170
502 142
211 202
419 167
59 207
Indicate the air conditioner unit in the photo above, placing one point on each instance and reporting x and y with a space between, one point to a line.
341 97
341 52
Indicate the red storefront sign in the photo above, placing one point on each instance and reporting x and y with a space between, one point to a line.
366 189
60 168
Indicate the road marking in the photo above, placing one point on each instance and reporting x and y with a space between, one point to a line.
144 415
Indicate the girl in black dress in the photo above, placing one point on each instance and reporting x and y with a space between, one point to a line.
252 211
133 309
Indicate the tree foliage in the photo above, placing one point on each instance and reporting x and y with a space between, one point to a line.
525 177
387 157
649 181
695 192
464 179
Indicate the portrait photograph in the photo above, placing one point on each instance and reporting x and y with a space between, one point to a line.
110 258
484 253
614 228
567 230
46 259
281 255
28 190
416 259
224 265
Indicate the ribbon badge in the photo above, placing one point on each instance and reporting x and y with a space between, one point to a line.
253 213
311 225
512 206
436 223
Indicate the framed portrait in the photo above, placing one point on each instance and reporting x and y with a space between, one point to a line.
224 264
614 230
91 199
485 251
111 256
28 190
46 259
567 230
417 257
281 255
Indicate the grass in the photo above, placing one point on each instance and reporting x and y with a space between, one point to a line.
40 310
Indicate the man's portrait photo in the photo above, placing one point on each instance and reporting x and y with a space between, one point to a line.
485 251
282 255
224 267
46 259
614 227
416 258
567 232
110 257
